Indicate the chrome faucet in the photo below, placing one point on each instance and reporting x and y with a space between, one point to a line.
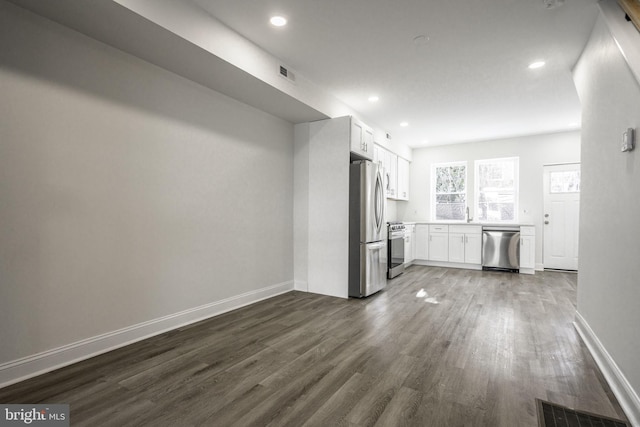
469 219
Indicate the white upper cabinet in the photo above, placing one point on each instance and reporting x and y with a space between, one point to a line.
393 176
395 173
390 165
361 139
368 141
385 161
378 155
403 179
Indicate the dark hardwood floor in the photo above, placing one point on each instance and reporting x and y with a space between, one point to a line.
438 347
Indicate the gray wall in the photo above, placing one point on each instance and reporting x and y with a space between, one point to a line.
609 279
126 192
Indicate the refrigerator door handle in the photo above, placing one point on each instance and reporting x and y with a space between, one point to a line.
379 203
375 246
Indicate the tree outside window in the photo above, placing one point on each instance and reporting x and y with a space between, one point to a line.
497 189
449 191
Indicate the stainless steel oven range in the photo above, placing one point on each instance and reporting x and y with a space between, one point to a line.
395 245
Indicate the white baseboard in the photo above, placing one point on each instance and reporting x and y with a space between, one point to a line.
539 267
447 264
626 395
37 364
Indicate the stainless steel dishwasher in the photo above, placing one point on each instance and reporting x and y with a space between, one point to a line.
501 248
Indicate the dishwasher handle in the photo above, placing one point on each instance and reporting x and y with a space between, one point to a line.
501 228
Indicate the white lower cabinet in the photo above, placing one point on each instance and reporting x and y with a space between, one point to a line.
409 244
422 242
438 243
456 247
465 244
527 249
460 246
473 248
413 243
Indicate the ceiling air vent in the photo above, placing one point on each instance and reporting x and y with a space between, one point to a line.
287 74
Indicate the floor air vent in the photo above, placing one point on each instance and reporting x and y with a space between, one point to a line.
552 415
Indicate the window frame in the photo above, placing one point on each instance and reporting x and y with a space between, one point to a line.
516 188
433 203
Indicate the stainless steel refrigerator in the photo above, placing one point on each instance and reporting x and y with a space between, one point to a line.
367 230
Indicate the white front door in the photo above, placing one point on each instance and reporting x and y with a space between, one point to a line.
561 215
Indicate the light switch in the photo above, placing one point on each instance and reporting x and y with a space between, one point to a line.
628 142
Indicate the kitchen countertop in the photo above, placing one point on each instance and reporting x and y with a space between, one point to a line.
487 224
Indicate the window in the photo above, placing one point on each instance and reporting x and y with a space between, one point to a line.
564 182
497 189
449 192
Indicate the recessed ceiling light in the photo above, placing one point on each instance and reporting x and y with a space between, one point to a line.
374 98
404 124
537 64
278 21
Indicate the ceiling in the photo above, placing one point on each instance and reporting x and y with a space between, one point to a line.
466 80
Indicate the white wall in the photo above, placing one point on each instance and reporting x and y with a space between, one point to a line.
533 151
391 211
127 193
608 283
321 207
301 189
